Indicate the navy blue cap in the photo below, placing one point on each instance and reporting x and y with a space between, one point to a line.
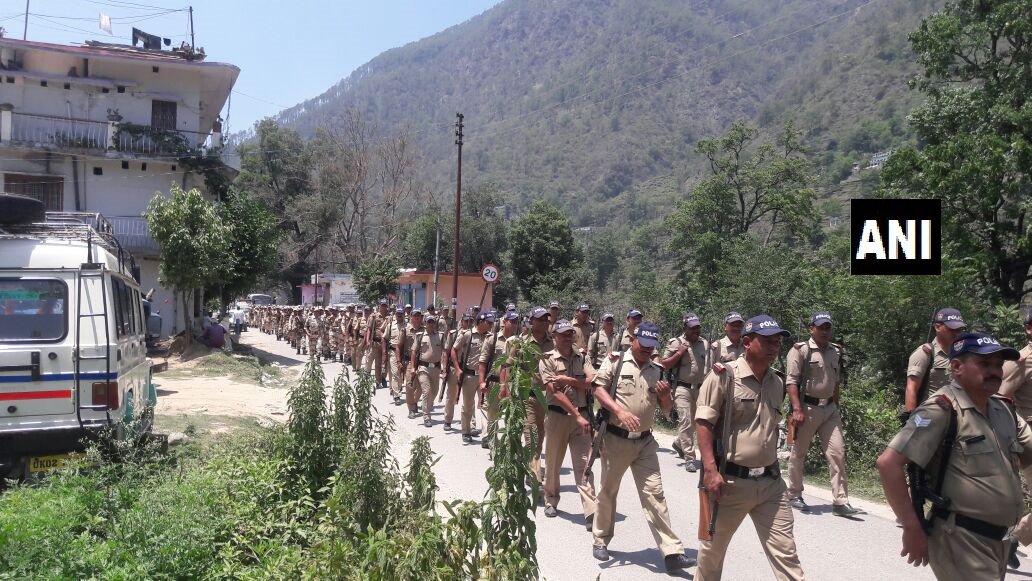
562 326
399 311
489 317
584 307
538 312
510 307
553 305
820 318
383 301
981 344
764 325
647 334
512 316
429 319
468 315
607 316
691 320
417 312
951 318
431 308
633 313
733 317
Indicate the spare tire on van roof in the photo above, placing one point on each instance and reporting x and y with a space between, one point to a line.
15 209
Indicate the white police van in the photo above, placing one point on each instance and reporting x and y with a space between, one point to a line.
73 359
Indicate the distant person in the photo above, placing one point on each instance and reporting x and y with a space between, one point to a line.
214 336
236 317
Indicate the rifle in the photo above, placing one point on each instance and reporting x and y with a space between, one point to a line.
603 418
804 378
594 345
465 363
447 369
917 478
708 509
490 364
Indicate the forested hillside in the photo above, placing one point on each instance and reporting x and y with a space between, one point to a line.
580 102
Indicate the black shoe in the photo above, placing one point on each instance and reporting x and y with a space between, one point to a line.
600 552
1012 558
691 466
474 432
550 511
397 400
427 422
413 414
467 439
447 426
589 522
799 504
485 444
678 449
677 562
846 510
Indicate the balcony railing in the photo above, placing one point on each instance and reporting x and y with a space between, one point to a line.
50 131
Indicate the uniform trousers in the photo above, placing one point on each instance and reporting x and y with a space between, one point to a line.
827 422
429 377
489 410
357 353
763 500
468 393
641 457
684 401
534 432
396 371
371 361
313 345
957 554
561 432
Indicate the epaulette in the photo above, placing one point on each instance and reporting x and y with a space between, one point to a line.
719 368
927 347
1023 360
942 400
779 373
799 345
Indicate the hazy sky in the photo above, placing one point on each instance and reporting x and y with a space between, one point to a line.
287 51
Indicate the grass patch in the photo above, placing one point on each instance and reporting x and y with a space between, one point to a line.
245 368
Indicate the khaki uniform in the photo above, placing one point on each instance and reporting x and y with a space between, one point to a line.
562 430
534 429
494 350
581 334
427 349
689 373
724 350
823 374
633 393
468 348
451 386
981 479
600 344
1017 384
413 393
930 354
373 359
625 340
394 334
314 327
360 347
752 444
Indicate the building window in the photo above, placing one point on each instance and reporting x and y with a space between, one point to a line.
125 165
143 166
98 171
121 89
47 189
42 83
163 115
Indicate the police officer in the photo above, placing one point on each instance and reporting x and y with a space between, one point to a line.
739 406
313 327
983 444
427 351
466 356
627 337
1017 384
729 347
395 338
628 443
451 359
814 382
567 377
413 391
534 430
686 355
928 370
492 352
600 345
554 312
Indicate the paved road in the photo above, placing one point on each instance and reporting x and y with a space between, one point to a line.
830 547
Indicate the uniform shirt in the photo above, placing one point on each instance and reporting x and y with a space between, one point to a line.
824 368
724 350
1017 381
468 347
581 333
982 479
410 339
430 346
554 365
494 350
313 325
392 331
755 412
939 360
690 368
599 345
633 391
625 340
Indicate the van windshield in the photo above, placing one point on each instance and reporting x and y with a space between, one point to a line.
260 299
32 309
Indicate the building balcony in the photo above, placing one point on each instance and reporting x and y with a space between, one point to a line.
107 137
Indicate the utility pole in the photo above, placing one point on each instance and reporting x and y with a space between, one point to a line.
25 33
193 43
437 257
458 216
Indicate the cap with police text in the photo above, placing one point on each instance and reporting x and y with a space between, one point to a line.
538 312
981 344
647 334
468 315
764 325
563 326
584 307
691 320
820 318
408 306
951 318
733 317
417 312
489 317
553 305
429 319
383 301
608 317
512 316
510 307
399 311
633 313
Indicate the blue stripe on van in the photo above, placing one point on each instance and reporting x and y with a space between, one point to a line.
56 377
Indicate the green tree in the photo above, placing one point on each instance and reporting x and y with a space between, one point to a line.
377 277
195 243
542 250
976 127
254 239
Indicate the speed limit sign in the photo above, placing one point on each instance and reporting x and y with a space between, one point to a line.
490 273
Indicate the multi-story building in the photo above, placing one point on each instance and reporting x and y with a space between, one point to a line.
102 128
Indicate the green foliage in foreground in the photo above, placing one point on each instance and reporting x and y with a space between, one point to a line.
322 497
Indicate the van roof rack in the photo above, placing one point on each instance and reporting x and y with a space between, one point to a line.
89 227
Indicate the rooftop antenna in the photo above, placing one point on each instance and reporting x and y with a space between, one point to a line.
25 33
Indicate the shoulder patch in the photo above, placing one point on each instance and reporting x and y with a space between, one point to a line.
1005 398
719 368
799 345
927 347
943 401
1022 360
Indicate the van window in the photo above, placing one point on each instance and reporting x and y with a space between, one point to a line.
134 308
33 309
121 304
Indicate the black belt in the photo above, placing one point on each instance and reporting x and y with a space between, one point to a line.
560 410
688 385
739 471
494 378
376 340
817 401
622 433
427 364
977 526
469 372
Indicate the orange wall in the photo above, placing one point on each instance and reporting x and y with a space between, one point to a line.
470 289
